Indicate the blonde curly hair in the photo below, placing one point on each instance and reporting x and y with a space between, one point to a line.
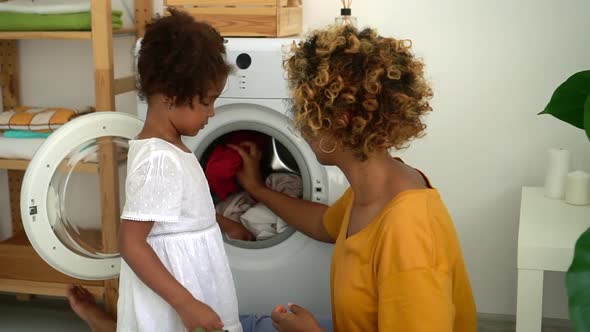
366 91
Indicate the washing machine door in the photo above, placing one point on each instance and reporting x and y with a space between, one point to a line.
64 201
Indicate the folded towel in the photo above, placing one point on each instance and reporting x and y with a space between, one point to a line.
10 21
45 6
25 134
38 119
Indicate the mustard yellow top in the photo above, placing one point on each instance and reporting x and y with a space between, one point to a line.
402 272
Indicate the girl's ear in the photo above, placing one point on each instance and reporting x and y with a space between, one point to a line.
170 101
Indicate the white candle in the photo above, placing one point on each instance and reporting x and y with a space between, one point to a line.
577 188
557 169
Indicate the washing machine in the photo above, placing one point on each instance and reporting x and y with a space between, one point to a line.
62 192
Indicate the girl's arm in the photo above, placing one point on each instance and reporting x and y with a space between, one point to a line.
142 259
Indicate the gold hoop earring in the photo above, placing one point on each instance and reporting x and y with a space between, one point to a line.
324 150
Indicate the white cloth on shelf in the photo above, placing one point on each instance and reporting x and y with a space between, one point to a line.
45 6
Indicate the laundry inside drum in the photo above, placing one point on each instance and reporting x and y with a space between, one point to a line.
280 172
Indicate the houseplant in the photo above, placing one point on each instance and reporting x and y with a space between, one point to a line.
571 103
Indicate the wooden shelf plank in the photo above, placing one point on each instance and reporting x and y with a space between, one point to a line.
21 164
74 35
84 167
44 288
124 84
19 261
46 35
14 164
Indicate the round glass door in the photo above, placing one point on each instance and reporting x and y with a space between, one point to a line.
73 191
73 199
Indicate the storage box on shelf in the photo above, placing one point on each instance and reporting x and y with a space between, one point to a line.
246 18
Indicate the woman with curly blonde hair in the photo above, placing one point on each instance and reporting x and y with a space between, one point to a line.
397 263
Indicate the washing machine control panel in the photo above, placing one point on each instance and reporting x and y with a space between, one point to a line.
258 68
318 194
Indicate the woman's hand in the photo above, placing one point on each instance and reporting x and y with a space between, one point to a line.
249 176
298 320
196 314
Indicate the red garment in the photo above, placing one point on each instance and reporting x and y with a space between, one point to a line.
224 162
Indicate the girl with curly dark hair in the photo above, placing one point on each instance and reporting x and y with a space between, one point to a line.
397 263
174 274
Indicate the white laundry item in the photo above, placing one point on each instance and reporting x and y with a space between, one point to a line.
259 219
261 222
167 186
45 6
288 184
235 205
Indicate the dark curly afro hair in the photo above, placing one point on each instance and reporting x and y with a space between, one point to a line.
180 57
366 91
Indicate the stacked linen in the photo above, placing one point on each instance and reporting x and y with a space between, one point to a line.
25 128
39 119
50 15
18 148
25 134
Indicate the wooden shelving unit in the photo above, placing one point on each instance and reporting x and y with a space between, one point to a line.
22 271
84 35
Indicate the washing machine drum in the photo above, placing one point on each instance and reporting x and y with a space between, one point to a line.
285 152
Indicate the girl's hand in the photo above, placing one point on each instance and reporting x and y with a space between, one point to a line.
233 229
249 176
196 314
236 231
298 320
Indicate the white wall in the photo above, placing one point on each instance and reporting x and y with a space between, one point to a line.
493 66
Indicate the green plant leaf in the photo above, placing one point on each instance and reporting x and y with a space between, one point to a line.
577 281
587 116
567 102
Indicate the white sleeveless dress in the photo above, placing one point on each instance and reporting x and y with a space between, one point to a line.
167 186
